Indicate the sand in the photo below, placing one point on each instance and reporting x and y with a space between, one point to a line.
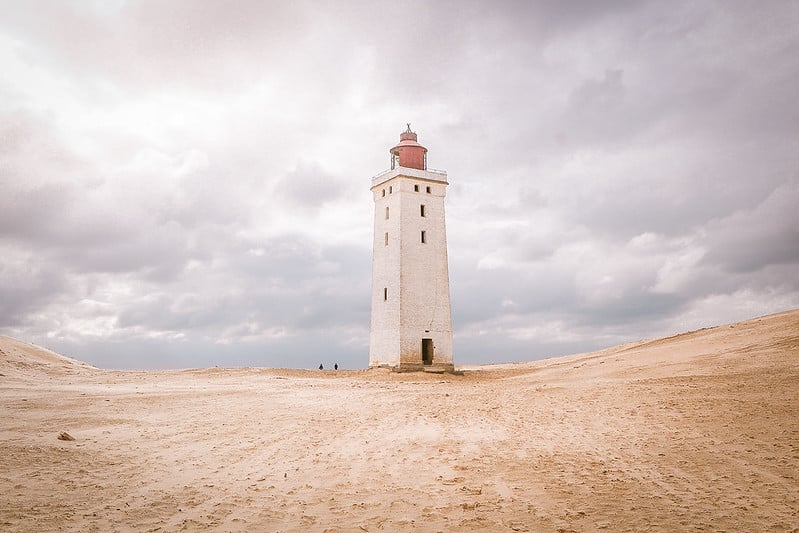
694 432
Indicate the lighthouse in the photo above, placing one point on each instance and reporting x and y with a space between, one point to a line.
411 325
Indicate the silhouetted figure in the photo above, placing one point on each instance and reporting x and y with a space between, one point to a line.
321 367
335 367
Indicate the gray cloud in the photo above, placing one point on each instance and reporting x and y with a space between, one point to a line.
308 186
26 287
187 185
767 235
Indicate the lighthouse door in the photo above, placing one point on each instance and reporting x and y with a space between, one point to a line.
427 351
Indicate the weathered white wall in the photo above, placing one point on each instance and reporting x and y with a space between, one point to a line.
415 273
384 336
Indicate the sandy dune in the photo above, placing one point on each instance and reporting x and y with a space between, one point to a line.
694 432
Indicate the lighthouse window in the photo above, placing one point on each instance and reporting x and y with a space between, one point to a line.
415 188
385 293
428 190
384 192
421 209
386 212
386 237
390 189
424 237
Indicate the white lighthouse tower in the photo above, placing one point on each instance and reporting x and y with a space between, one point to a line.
411 325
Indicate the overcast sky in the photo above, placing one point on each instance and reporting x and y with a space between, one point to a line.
186 183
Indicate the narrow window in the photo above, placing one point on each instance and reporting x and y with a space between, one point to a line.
424 237
415 188
386 236
386 212
384 192
385 293
421 209
390 188
428 190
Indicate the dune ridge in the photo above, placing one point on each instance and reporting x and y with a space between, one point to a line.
695 431
18 358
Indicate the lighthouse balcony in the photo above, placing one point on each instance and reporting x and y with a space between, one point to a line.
439 176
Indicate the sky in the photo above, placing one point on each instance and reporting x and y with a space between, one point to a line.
186 184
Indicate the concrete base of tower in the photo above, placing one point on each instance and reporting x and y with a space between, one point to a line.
419 367
408 367
440 369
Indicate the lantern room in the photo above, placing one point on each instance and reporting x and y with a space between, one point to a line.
409 153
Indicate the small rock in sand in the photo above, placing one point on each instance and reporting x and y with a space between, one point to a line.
65 436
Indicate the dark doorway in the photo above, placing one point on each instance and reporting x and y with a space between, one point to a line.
427 351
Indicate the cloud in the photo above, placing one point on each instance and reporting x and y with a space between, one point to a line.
752 239
310 187
188 185
27 286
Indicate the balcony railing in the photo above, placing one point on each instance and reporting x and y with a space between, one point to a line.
433 170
